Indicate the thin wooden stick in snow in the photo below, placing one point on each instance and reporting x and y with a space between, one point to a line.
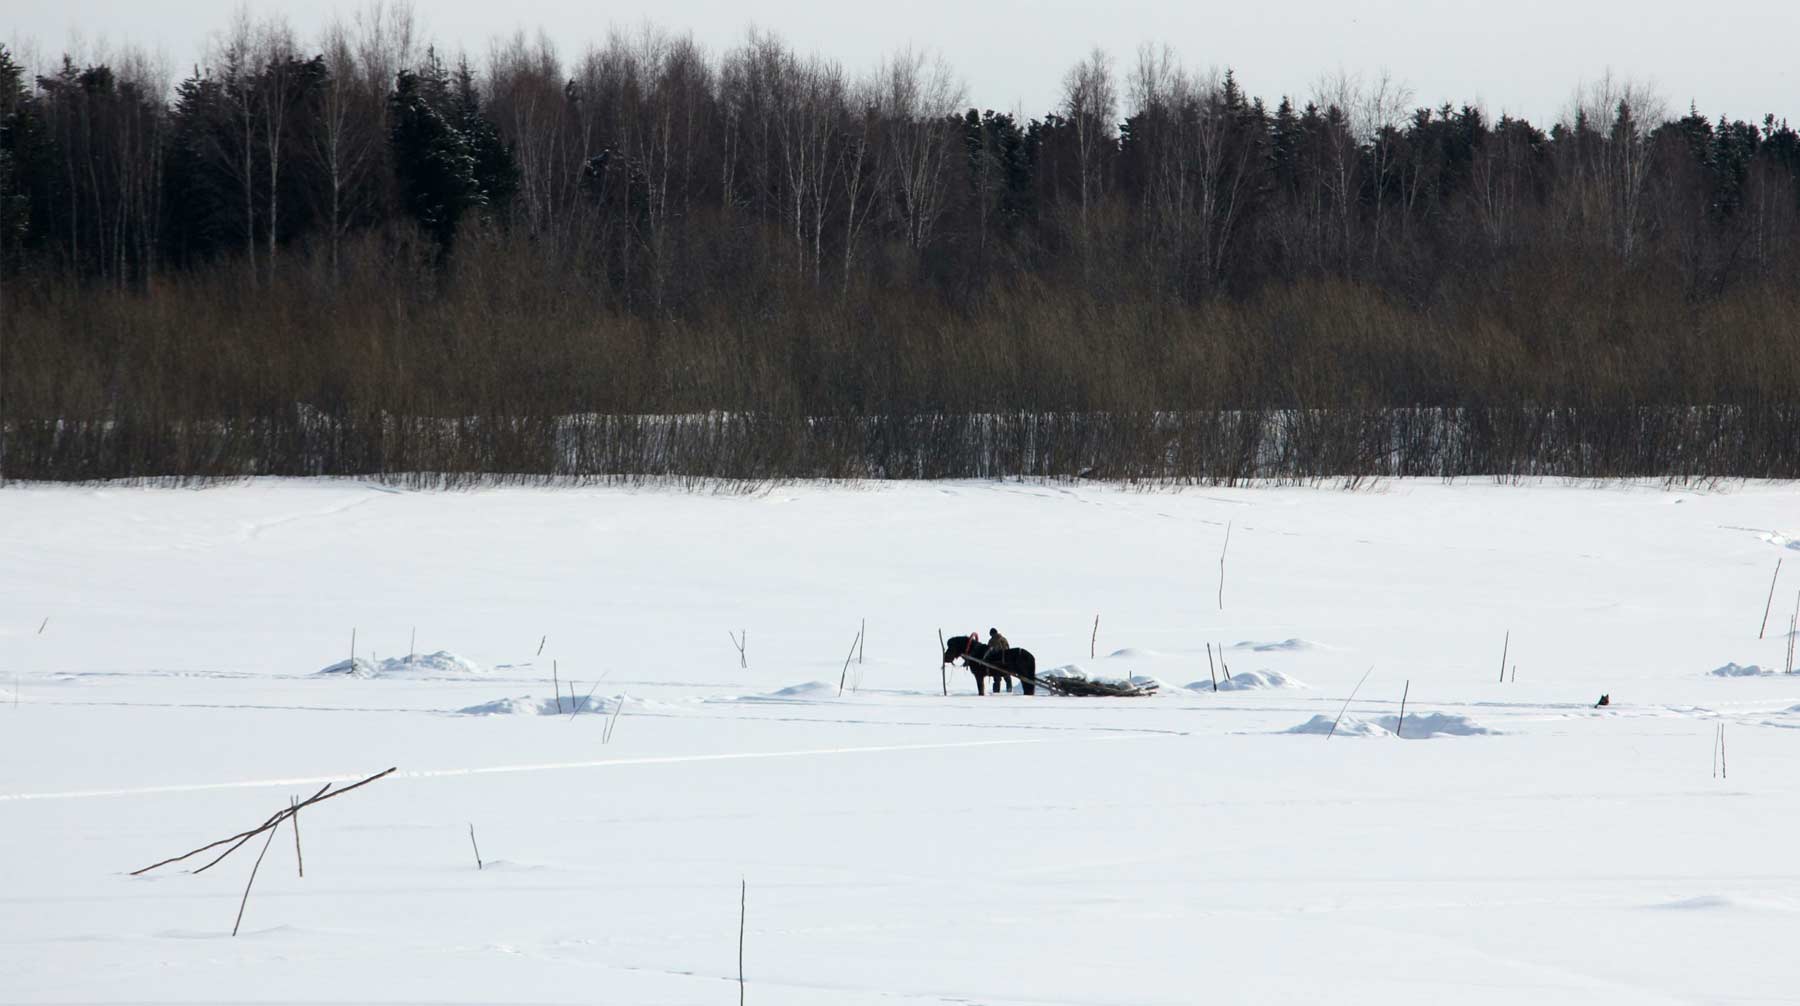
474 846
1347 701
606 735
1718 730
412 646
353 650
246 898
1214 675
861 638
1222 552
579 706
556 683
1504 647
743 911
1095 638
1770 601
846 671
1401 722
541 641
1722 774
294 815
735 641
943 671
43 623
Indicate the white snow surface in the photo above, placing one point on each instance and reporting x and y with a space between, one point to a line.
1734 670
898 846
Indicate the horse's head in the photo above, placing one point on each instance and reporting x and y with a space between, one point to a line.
958 646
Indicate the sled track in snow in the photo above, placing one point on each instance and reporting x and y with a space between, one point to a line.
446 773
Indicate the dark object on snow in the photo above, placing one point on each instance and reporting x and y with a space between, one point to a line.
1085 687
982 661
1605 700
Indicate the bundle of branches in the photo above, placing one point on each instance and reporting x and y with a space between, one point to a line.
1086 687
269 826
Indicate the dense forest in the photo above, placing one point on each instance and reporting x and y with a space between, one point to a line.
359 255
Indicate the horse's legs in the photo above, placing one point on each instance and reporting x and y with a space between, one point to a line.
1008 679
980 686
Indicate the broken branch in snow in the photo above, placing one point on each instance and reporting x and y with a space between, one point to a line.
1504 647
325 793
1095 638
743 661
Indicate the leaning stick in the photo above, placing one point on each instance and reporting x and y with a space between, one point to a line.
861 638
579 706
556 683
43 623
1214 675
1347 701
1504 647
472 844
545 638
606 738
845 673
246 898
279 816
1770 601
743 909
1403 694
1095 638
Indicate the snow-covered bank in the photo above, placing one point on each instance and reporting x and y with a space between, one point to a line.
899 844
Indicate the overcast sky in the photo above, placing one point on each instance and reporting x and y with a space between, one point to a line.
1519 56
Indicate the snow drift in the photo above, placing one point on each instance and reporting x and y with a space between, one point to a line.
1246 681
1418 726
418 665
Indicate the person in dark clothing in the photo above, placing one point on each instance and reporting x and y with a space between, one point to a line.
997 643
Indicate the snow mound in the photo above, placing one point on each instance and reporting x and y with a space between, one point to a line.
795 693
1418 726
526 705
422 665
1277 646
1348 726
1784 539
1131 651
1739 671
1245 681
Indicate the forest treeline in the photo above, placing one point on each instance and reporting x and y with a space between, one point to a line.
355 255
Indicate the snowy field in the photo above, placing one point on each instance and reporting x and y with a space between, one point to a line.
159 652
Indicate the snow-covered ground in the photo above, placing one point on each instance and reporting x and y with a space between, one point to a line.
896 845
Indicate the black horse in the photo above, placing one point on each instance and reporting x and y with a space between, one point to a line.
1013 661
